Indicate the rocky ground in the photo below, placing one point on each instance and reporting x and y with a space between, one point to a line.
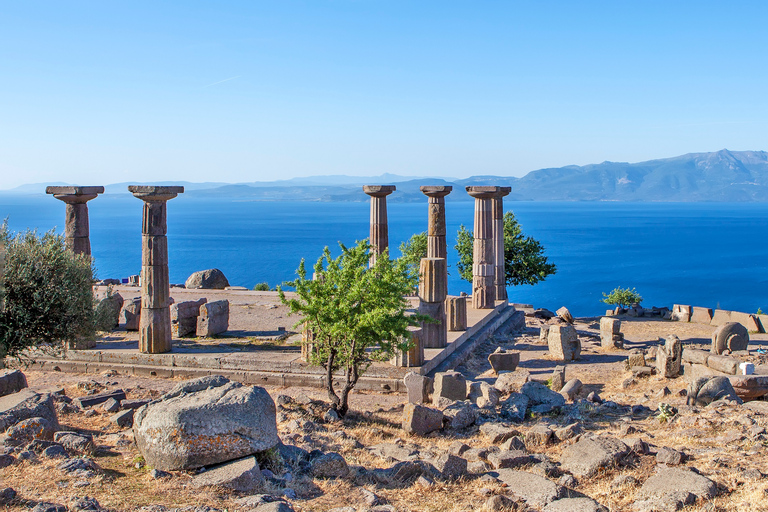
634 446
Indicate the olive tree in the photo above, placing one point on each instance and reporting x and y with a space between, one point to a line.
622 297
46 292
356 314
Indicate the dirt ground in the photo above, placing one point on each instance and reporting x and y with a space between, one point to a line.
720 443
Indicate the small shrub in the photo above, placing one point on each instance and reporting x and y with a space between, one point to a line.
622 297
262 287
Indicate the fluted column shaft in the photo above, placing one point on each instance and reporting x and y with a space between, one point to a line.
77 229
436 243
379 238
155 321
500 273
432 293
484 252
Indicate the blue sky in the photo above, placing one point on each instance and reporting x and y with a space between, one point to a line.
105 92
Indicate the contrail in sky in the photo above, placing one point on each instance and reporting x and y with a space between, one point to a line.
221 81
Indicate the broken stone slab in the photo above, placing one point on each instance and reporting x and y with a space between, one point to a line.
504 360
730 336
418 387
589 455
75 442
483 394
515 407
669 456
123 419
692 355
460 415
571 389
575 505
205 421
213 318
184 317
539 394
421 420
211 279
544 333
451 385
636 358
668 481
748 321
89 401
509 459
451 467
641 371
701 315
534 490
133 404
539 435
725 364
681 313
669 357
749 387
565 315
557 381
242 475
511 382
720 317
27 404
131 314
497 432
563 342
12 381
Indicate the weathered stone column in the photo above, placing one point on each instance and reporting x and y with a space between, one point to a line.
76 231
483 253
379 238
155 322
500 274
436 245
432 293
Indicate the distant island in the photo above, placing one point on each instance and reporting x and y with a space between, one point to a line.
724 176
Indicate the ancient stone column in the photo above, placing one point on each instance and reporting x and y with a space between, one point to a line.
484 252
155 322
76 231
436 246
500 274
432 293
379 238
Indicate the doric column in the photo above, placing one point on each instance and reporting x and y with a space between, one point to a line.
483 253
432 293
76 231
436 246
500 275
379 238
155 322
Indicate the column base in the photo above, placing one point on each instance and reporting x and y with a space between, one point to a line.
155 331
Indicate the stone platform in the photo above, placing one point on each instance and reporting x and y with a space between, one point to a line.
273 365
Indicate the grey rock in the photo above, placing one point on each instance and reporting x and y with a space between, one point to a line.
571 389
6 460
12 381
7 495
30 429
483 394
394 452
159 474
205 421
565 315
567 481
79 464
45 506
123 419
24 404
211 279
539 435
497 432
511 382
669 456
515 407
539 394
588 455
418 387
669 357
108 312
450 466
84 402
450 385
75 442
111 405
563 342
557 381
535 490
499 503
242 475
86 503
275 506
133 404
575 505
460 415
27 455
405 472
477 467
672 488
55 452
568 432
509 459
330 465
504 360
513 443
706 390
421 420
213 318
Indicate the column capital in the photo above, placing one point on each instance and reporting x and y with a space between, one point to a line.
504 191
74 194
153 193
483 192
379 190
436 190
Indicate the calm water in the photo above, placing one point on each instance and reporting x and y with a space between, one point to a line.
708 254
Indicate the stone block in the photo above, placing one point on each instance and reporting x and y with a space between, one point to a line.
510 382
750 387
131 314
414 356
719 317
243 475
509 459
184 317
544 332
762 320
564 344
456 313
451 385
571 389
610 333
123 419
108 312
565 314
418 387
11 381
747 320
483 394
681 313
421 420
432 280
669 357
558 379
723 364
504 360
692 355
213 318
90 400
701 315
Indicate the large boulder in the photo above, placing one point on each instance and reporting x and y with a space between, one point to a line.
670 483
421 420
11 381
205 421
26 404
211 279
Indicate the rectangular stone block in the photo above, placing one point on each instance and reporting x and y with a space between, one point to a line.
213 318
701 315
692 355
434 335
155 331
563 342
762 320
131 314
155 287
184 317
610 332
747 320
456 313
681 313
414 356
720 317
154 250
723 364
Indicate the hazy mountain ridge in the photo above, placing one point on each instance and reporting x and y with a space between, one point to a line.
728 176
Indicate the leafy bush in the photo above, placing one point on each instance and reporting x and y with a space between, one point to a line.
46 290
413 250
622 297
262 287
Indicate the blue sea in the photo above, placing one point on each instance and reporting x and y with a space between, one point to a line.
707 254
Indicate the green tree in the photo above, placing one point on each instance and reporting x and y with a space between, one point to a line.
413 250
46 290
622 297
524 258
356 315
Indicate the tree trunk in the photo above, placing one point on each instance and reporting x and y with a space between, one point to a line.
335 402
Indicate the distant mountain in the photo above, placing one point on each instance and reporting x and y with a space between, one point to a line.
729 176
